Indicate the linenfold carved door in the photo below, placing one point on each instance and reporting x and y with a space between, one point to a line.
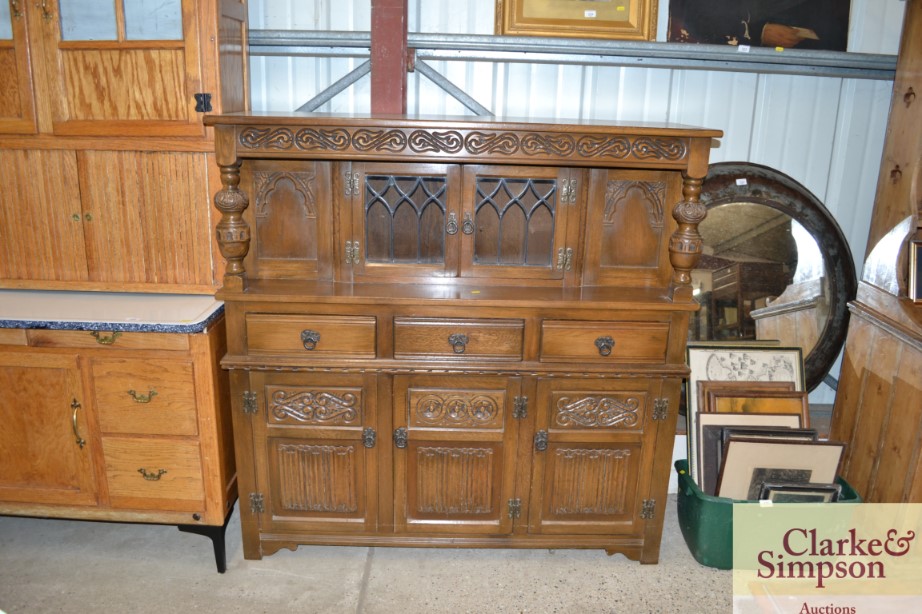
454 464
316 469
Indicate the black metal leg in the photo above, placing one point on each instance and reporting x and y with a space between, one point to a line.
217 538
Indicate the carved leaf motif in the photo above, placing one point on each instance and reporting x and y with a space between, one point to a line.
663 149
439 142
554 144
273 138
310 139
653 198
265 183
479 143
593 412
604 147
379 140
314 406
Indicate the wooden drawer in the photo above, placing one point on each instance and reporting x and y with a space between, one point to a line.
172 472
604 341
145 396
344 336
107 339
13 336
444 338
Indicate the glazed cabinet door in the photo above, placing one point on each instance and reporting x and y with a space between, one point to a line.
593 455
629 222
517 222
316 465
46 442
454 462
290 214
119 68
404 221
17 101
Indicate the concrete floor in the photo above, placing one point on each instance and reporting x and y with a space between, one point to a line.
72 566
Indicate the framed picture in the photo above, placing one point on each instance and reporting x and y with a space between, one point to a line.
710 454
613 19
799 24
759 402
749 463
737 362
705 387
915 271
800 493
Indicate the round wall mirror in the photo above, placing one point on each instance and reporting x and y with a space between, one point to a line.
775 266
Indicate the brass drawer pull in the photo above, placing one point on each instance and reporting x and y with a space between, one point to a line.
103 339
310 339
80 440
151 477
605 345
142 398
467 226
451 228
458 342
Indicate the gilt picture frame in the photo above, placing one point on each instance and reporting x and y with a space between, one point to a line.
605 19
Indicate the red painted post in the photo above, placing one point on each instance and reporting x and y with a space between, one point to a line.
389 56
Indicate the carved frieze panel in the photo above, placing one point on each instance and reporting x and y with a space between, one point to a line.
589 481
457 409
489 144
266 183
317 478
320 407
453 480
649 194
598 411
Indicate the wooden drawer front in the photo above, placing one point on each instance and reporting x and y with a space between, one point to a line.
13 336
145 397
441 338
107 339
604 341
152 469
346 336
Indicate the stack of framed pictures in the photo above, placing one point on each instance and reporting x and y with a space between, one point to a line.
748 419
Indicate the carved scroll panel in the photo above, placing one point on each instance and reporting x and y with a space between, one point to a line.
614 410
314 406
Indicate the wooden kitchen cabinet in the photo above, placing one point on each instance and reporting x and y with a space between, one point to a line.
456 332
115 420
83 87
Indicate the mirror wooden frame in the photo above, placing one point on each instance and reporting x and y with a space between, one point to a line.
745 182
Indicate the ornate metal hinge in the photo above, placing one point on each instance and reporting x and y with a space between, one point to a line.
541 441
568 191
202 103
660 409
352 252
351 184
515 508
520 408
249 402
256 503
369 438
564 259
648 509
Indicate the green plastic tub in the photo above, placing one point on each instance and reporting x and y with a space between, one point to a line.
707 522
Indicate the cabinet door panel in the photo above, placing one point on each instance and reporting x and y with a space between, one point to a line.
17 107
629 222
41 221
97 69
145 217
316 472
599 437
456 472
41 459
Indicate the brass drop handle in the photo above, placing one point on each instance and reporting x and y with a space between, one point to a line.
75 405
310 339
458 342
151 477
605 345
400 437
467 226
451 227
105 339
142 398
541 441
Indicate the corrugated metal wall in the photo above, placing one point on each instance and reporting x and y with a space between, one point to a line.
825 132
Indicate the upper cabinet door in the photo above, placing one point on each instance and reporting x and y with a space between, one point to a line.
629 222
405 221
17 106
515 223
121 67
